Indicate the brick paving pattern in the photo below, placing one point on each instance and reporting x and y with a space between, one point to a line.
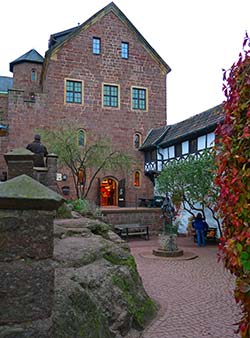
196 296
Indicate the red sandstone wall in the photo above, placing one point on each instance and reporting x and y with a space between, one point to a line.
3 139
75 60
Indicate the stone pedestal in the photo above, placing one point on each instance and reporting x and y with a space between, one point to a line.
168 246
20 161
26 252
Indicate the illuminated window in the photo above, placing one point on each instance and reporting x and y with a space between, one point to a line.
137 178
81 137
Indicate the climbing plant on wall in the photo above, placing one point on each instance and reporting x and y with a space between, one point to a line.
233 179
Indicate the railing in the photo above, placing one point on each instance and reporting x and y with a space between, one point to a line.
157 165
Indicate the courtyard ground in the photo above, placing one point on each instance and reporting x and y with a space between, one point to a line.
195 295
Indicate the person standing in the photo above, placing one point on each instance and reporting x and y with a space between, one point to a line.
39 150
200 227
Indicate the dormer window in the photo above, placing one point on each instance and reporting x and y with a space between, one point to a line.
96 46
33 75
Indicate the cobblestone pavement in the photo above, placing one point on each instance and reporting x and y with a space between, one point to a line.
196 296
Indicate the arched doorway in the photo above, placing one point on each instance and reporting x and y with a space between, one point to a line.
108 192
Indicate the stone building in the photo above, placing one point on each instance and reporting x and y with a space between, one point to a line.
102 76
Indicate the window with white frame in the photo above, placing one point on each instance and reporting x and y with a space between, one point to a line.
210 139
171 152
201 142
124 50
96 46
185 147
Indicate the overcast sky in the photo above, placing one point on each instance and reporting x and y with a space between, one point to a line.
196 38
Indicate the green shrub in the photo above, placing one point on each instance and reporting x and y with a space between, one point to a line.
85 208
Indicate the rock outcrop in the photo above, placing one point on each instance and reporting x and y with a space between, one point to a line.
98 292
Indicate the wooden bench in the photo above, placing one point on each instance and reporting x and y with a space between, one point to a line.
136 229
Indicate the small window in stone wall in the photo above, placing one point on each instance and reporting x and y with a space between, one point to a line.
81 137
124 50
137 178
33 75
137 140
96 46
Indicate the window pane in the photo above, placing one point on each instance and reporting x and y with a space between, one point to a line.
137 179
124 50
96 46
69 97
69 85
106 90
110 96
142 94
210 139
171 152
185 149
113 101
135 93
139 98
201 142
81 138
73 91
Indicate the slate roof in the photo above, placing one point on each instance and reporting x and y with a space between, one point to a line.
153 137
31 56
59 38
5 84
194 126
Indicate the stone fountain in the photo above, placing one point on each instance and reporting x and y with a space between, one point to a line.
168 239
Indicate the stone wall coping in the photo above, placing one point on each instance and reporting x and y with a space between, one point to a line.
129 210
23 192
41 169
19 154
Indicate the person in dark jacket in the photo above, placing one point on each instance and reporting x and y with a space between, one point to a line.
200 227
39 150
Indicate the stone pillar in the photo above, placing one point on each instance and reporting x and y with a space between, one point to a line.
26 252
19 161
52 170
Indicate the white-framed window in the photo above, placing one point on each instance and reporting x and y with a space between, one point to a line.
96 45
210 139
185 147
124 50
201 142
171 152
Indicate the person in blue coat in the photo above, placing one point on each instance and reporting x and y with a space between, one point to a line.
200 227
